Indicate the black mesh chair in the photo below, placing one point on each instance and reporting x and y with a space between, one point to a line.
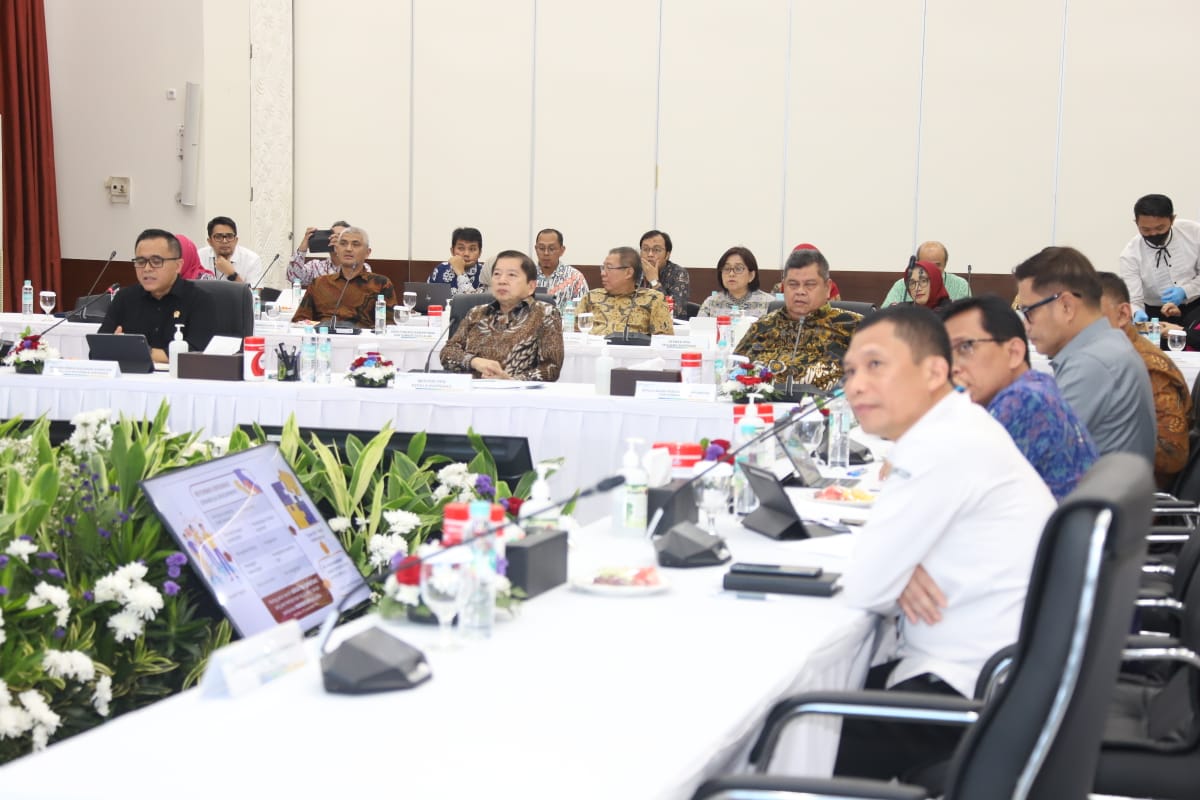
858 307
1039 736
234 307
460 304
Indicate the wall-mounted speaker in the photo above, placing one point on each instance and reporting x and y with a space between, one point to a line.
190 149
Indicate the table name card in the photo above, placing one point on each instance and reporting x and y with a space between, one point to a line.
680 342
243 666
434 381
273 326
70 368
415 334
658 390
581 339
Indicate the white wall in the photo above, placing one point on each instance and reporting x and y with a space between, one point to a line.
863 126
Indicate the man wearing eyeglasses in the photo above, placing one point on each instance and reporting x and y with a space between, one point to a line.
621 306
227 259
991 364
555 276
161 299
662 274
1100 374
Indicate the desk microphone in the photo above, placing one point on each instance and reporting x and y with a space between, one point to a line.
83 307
635 339
429 355
77 314
968 276
262 277
376 661
333 320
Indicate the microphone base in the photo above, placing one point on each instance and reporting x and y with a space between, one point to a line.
630 339
373 661
687 545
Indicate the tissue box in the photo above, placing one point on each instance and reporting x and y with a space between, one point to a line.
677 506
210 367
624 381
537 563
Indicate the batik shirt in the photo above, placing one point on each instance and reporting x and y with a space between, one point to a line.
527 341
1045 430
308 271
467 283
810 350
673 282
644 311
565 283
754 304
354 301
1171 403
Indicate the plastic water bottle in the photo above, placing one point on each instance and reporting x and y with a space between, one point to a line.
380 315
604 368
568 316
324 356
479 616
748 427
1155 332
297 293
308 356
27 298
840 417
722 360
257 305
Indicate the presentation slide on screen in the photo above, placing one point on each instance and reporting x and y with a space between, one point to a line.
255 537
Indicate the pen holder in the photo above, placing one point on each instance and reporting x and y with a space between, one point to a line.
289 366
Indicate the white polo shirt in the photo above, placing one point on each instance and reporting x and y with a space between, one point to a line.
247 263
962 502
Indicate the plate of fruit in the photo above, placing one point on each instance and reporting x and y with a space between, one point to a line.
622 582
845 496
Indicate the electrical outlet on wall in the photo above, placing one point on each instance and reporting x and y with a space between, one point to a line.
118 189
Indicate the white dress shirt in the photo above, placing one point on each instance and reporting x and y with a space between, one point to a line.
1148 273
962 502
247 263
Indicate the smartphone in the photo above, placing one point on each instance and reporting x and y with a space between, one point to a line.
796 571
319 241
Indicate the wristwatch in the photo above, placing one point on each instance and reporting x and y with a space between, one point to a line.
233 276
654 284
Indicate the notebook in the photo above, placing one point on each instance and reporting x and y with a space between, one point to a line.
254 539
129 350
430 294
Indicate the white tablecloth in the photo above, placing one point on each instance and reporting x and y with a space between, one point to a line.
580 696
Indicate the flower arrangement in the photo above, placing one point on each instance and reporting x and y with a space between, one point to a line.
371 371
750 382
30 354
716 450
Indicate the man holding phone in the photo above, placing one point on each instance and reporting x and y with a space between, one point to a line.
316 241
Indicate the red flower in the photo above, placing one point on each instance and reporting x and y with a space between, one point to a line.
724 443
409 571
749 380
512 505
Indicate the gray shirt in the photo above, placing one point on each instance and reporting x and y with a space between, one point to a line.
1105 382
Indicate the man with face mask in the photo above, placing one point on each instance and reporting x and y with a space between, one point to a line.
1161 265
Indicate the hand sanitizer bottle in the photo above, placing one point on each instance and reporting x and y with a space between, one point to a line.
257 305
178 345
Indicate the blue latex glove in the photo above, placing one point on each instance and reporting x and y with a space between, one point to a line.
1174 295
1140 316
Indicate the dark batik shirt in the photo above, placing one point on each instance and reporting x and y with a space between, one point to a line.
526 341
808 351
357 300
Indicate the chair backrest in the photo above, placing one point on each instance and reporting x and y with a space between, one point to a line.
1187 483
234 307
1040 737
857 306
460 304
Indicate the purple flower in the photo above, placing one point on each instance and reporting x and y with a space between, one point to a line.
103 533
397 558
89 596
114 488
60 633
49 556
176 559
714 452
484 487
26 537
171 588
501 565
56 573
123 516
69 519
3 560
3 590
37 573
172 572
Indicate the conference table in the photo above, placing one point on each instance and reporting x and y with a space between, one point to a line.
580 695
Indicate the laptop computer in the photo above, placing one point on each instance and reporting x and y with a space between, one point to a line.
255 540
129 350
805 471
429 294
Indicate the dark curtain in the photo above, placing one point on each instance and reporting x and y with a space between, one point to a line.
31 247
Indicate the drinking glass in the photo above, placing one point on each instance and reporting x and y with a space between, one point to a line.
713 494
272 309
47 300
1176 340
400 314
811 433
444 588
410 301
585 321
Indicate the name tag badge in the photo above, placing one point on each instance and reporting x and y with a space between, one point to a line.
412 333
673 342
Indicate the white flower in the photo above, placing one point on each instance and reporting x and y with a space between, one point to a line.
339 524
382 546
92 419
218 445
144 600
126 625
21 548
93 431
35 704
14 722
503 585
56 596
456 477
5 697
40 737
441 492
133 571
68 664
102 696
401 522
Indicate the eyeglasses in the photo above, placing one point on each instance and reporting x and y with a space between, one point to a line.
1027 311
607 268
919 282
966 347
653 251
224 237
153 262
734 270
547 249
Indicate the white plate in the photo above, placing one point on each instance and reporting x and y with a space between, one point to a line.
615 590
842 503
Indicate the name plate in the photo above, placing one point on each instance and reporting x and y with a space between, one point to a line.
68 368
581 339
416 334
434 381
273 326
243 666
659 390
676 342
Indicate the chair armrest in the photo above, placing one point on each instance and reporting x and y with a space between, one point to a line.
1167 603
1179 655
874 704
1158 569
777 787
1149 641
995 669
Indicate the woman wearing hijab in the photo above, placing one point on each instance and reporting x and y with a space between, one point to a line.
923 282
190 268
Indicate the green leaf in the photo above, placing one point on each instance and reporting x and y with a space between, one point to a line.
416 446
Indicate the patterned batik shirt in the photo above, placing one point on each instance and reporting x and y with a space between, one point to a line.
644 311
754 304
527 341
308 271
809 350
467 283
1171 403
1046 430
565 283
673 282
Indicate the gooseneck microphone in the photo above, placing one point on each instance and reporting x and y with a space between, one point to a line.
333 320
436 342
83 307
77 314
376 661
263 276
968 276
